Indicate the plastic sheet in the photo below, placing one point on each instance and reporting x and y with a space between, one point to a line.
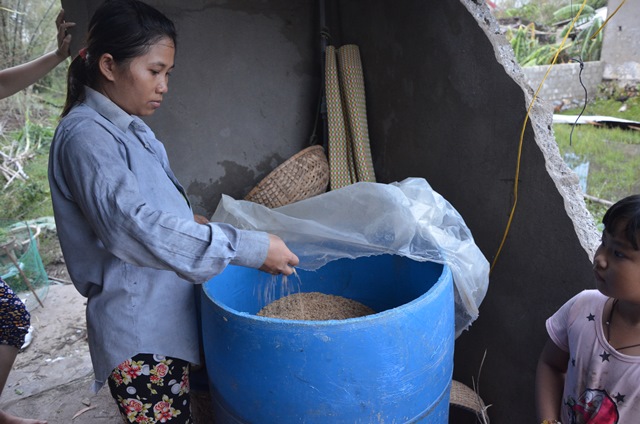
364 219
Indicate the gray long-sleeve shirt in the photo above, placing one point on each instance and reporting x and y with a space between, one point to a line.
128 236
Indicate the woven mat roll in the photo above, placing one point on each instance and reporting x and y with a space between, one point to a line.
354 101
348 147
341 170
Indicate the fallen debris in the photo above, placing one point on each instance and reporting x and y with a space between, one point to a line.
82 411
597 120
607 203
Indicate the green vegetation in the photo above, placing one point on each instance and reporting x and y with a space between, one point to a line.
27 30
536 31
27 123
28 198
613 153
546 11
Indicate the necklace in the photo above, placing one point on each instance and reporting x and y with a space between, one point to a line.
609 321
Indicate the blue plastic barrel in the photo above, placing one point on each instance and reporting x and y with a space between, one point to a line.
391 367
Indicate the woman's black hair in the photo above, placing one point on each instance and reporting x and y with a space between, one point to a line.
627 212
123 28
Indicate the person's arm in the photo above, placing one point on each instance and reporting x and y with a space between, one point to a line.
550 375
20 77
279 260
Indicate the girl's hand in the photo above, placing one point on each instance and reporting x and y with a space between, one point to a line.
280 260
64 38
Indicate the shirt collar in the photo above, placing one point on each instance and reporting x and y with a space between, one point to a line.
105 107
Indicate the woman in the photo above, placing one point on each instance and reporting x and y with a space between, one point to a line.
125 225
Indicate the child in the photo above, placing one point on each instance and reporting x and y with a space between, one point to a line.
589 369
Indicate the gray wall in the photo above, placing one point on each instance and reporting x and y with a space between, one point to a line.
245 89
446 101
243 93
621 45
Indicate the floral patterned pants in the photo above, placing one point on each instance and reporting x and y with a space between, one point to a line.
14 317
152 389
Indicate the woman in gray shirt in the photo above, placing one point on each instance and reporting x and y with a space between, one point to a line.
125 225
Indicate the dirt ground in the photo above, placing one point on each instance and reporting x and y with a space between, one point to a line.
52 377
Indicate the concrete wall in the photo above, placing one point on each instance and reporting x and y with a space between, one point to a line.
446 101
621 43
564 80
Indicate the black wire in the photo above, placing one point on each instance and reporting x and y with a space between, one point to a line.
585 98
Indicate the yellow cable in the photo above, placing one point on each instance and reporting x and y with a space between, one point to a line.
607 20
524 126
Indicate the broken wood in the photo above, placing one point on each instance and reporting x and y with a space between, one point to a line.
59 280
11 166
598 200
8 249
82 411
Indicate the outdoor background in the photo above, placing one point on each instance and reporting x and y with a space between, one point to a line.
606 158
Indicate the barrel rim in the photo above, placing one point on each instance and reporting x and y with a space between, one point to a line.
433 291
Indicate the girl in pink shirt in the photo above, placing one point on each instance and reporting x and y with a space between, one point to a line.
589 369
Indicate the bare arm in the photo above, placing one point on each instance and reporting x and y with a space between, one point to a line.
20 77
550 375
280 260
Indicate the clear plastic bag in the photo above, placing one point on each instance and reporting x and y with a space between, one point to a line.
364 219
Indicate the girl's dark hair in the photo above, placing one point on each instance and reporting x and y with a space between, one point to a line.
123 28
627 212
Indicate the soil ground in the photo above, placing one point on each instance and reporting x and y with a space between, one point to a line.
52 377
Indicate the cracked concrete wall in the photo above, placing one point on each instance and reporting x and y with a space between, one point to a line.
445 101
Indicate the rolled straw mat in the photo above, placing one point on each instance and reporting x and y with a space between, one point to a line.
342 171
354 98
348 145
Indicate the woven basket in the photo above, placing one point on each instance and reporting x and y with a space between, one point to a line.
304 175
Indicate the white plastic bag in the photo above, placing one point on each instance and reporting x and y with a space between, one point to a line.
365 219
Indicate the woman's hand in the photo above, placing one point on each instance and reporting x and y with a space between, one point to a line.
280 260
